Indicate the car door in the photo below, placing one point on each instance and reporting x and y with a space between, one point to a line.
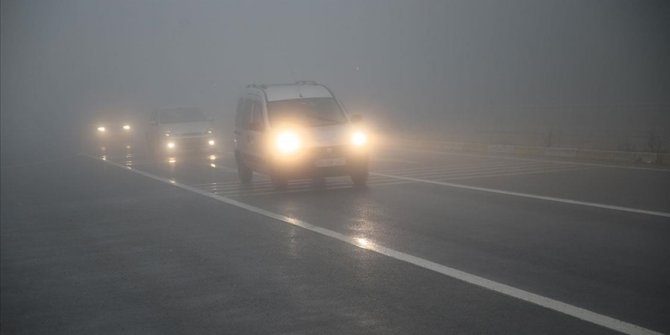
255 131
241 128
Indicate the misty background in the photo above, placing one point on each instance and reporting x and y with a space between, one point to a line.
412 68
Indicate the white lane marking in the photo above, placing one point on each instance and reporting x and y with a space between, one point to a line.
507 174
526 195
447 153
262 186
452 174
555 305
393 160
451 168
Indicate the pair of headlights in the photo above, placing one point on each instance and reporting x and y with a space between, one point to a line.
172 145
288 142
125 127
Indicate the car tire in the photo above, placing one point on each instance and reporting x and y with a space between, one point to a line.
360 177
318 182
244 172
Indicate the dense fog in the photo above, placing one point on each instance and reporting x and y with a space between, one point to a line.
412 68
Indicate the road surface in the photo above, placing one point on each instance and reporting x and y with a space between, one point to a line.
437 243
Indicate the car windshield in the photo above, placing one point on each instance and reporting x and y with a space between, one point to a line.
181 115
312 112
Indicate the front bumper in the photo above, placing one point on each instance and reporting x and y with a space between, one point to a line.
324 161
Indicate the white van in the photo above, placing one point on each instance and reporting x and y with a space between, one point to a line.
298 130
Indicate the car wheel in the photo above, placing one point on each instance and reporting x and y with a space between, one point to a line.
318 181
243 171
360 178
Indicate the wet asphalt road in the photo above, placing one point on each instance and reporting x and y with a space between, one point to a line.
88 247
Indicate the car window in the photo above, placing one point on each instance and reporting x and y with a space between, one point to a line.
242 119
257 115
179 115
312 112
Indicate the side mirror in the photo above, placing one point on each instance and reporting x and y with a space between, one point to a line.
356 118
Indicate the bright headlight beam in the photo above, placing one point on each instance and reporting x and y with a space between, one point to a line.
126 127
359 138
170 145
288 142
211 142
101 129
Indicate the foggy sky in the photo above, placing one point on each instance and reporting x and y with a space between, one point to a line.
416 63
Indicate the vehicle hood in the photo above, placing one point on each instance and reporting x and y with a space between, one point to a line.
329 135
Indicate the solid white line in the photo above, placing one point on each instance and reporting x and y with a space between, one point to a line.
558 306
502 156
526 195
475 173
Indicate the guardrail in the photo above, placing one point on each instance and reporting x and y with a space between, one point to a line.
554 152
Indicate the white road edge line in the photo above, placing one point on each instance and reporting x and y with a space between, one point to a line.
545 160
555 305
526 195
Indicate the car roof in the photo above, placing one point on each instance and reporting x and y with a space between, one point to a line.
178 110
300 90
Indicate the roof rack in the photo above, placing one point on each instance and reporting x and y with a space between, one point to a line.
299 82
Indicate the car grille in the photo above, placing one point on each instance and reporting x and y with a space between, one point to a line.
192 142
330 151
192 133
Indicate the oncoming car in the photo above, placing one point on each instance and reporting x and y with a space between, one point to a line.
113 128
298 130
179 130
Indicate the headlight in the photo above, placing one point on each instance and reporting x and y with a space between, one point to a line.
209 131
211 142
170 145
359 139
287 142
101 129
126 127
